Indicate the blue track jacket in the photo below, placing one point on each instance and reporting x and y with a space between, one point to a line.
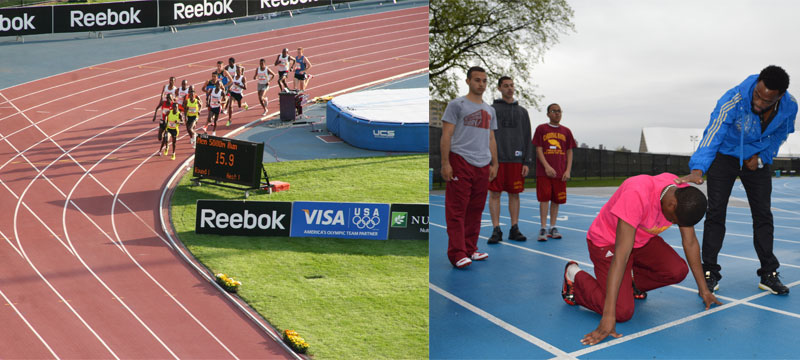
736 131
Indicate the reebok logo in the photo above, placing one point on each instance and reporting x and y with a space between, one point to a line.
24 22
78 18
212 219
609 254
265 4
207 8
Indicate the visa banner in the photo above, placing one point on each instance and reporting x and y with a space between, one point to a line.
341 220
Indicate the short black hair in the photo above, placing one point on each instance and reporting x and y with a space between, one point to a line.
691 206
231 60
503 78
473 69
774 78
548 106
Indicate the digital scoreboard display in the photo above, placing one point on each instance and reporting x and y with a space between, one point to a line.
228 160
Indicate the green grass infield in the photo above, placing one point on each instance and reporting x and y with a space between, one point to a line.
349 299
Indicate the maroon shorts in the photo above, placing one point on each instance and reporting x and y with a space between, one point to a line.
549 189
509 179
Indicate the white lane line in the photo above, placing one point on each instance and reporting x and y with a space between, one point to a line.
69 109
335 35
161 60
74 251
10 243
91 110
733 302
499 322
8 301
118 242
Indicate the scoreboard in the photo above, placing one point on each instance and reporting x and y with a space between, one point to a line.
228 160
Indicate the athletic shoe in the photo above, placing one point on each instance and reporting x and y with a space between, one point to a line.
205 129
497 236
464 262
567 289
265 113
194 145
638 294
554 234
246 107
173 156
166 151
214 133
478 256
159 152
771 283
224 111
542 235
712 282
515 235
228 124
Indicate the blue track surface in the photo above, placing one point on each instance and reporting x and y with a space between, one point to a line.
509 306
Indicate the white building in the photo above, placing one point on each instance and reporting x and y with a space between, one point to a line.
684 141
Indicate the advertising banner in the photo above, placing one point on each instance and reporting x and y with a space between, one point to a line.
342 220
176 12
271 6
248 218
408 222
26 20
104 16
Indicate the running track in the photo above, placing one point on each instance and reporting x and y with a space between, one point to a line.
87 271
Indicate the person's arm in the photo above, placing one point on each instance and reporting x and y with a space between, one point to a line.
692 251
255 74
156 112
293 62
308 63
714 134
527 151
444 147
624 245
244 83
277 60
272 73
566 175
493 149
549 171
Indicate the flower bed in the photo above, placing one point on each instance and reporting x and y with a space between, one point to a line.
228 283
293 339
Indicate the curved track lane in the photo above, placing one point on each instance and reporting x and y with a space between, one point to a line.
87 270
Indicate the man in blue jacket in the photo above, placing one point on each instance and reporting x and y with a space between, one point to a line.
748 126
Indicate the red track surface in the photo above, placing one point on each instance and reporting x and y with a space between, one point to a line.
87 271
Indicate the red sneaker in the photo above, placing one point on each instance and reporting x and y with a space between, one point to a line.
567 290
478 256
464 262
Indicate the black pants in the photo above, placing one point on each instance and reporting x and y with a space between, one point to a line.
758 186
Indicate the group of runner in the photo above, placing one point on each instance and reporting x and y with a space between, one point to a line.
182 105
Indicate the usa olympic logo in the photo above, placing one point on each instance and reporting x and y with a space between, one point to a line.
366 221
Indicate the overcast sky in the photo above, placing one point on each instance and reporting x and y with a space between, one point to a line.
633 64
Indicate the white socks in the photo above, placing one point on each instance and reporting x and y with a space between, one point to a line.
572 270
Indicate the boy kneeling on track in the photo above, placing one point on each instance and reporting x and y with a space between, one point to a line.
624 245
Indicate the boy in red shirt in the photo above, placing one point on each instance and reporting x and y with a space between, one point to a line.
624 244
554 144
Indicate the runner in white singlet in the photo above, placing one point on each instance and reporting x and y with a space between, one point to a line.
263 75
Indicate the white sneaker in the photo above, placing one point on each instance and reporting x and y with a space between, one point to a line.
478 256
464 262
214 133
265 113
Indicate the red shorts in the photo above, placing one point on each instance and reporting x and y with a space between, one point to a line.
509 179
549 189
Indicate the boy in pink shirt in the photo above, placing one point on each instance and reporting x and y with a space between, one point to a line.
624 244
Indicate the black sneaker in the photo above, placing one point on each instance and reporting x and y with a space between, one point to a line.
497 236
515 235
771 283
638 294
542 235
712 282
